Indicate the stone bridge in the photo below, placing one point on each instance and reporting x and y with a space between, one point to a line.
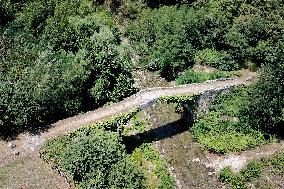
143 99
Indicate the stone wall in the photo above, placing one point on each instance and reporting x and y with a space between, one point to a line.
202 104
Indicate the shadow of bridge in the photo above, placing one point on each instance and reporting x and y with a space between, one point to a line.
156 134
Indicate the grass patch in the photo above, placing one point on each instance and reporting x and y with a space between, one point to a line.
224 129
278 164
191 76
154 167
217 135
135 125
256 173
29 172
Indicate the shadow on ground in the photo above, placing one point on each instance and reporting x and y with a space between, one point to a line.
156 134
10 133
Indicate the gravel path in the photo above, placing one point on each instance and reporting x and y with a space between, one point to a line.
25 147
134 101
27 143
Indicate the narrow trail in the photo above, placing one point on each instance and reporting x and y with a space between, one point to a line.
238 161
28 144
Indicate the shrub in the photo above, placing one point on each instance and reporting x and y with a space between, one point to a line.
191 76
278 163
225 128
235 182
222 136
223 34
225 174
252 171
162 42
131 8
61 66
158 176
99 161
124 174
238 181
265 112
217 59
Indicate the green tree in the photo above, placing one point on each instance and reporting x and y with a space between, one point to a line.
99 161
266 111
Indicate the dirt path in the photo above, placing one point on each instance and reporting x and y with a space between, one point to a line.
27 145
238 161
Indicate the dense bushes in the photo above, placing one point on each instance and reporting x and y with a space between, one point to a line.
224 34
161 42
266 110
190 76
215 134
245 118
59 58
95 159
268 101
105 164
225 128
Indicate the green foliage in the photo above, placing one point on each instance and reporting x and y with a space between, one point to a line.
131 9
54 148
103 166
190 76
225 129
225 174
8 10
215 134
161 42
238 181
253 173
265 112
180 99
158 175
94 157
138 124
116 123
231 103
216 59
224 34
103 149
278 163
59 58
124 174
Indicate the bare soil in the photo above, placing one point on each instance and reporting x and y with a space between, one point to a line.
238 161
30 173
145 79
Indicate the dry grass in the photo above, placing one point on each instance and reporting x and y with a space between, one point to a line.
32 173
